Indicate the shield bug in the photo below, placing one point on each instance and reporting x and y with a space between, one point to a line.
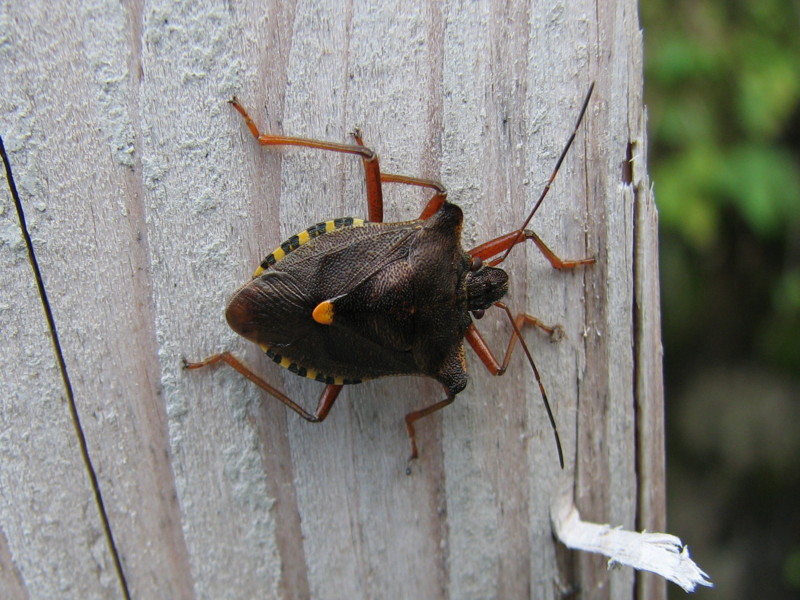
348 300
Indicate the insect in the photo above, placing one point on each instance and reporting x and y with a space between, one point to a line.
348 300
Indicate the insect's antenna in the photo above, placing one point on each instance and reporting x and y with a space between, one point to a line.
550 416
546 189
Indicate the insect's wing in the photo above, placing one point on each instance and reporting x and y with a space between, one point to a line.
362 271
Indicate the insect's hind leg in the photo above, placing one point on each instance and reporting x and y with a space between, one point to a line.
324 405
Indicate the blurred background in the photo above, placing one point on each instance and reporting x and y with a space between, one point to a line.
723 92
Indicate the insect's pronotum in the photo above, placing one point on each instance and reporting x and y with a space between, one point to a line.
348 300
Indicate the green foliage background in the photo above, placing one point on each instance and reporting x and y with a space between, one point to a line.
722 86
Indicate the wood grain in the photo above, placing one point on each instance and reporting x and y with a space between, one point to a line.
149 203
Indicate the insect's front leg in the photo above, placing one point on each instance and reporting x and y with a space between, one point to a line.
324 405
491 363
482 350
412 417
503 243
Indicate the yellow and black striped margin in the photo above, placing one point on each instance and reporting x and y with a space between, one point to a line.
304 372
294 242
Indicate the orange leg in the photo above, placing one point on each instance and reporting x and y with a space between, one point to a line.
485 353
519 233
436 201
326 399
505 242
372 171
494 367
412 417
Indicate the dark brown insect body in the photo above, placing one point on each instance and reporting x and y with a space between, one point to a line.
399 297
348 300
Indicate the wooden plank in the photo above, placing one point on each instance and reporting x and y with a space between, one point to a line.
158 204
67 100
45 496
621 404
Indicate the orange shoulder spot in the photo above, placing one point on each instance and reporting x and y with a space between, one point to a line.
323 313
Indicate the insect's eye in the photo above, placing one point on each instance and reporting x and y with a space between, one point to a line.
478 314
476 264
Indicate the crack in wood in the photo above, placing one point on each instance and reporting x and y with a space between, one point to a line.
62 365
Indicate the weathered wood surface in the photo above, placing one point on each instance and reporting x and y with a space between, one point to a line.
149 203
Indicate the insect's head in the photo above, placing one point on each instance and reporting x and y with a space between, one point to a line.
485 286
